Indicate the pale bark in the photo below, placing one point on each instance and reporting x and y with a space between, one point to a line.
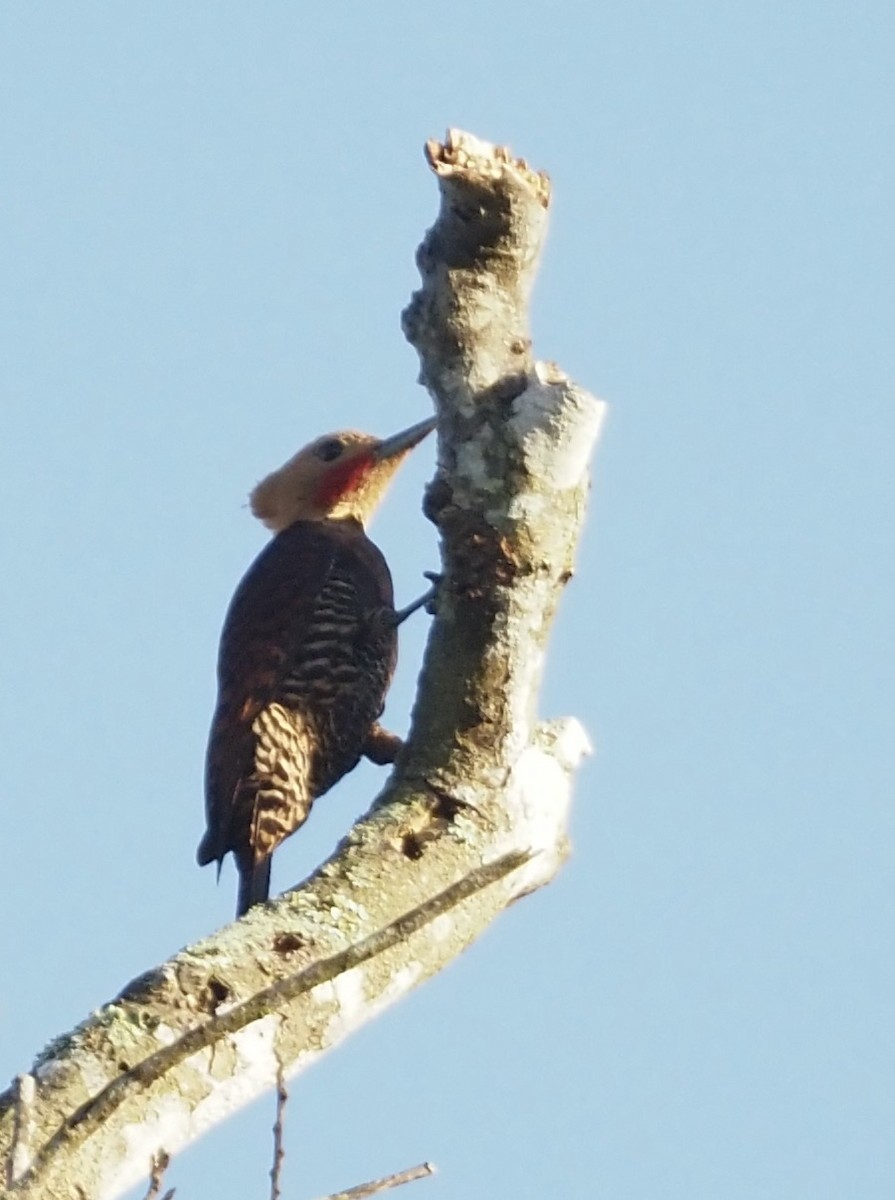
474 815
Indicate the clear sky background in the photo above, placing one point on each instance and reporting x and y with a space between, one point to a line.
210 212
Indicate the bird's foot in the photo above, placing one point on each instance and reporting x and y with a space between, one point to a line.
381 746
428 600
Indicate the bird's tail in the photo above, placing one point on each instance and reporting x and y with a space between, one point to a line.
254 884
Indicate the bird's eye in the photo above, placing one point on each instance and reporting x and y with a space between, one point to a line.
329 450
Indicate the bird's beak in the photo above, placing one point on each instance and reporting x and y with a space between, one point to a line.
400 443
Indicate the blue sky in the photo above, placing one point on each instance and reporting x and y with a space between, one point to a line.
210 214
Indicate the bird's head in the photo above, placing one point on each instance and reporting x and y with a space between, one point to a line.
337 476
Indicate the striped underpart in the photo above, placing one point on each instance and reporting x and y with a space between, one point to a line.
332 692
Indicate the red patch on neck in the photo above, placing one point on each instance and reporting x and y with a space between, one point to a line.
341 479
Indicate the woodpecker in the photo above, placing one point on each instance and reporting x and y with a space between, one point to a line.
307 652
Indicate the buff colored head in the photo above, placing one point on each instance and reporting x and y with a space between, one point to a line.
337 476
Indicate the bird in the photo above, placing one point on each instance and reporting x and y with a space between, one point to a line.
307 652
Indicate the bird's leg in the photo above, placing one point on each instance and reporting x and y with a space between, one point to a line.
381 747
426 601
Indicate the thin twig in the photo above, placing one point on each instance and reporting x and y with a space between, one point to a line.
159 1166
383 1185
278 1152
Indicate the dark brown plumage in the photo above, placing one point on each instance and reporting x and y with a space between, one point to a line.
307 653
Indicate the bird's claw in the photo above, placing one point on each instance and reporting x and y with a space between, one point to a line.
428 601
435 578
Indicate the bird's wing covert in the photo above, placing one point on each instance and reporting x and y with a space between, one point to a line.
264 623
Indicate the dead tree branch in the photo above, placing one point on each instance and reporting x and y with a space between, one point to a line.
279 1150
375 1186
474 815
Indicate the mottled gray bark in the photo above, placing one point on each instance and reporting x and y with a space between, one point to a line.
474 815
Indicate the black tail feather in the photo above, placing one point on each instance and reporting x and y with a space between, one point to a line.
254 884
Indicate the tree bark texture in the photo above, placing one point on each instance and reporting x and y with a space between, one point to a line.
474 815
